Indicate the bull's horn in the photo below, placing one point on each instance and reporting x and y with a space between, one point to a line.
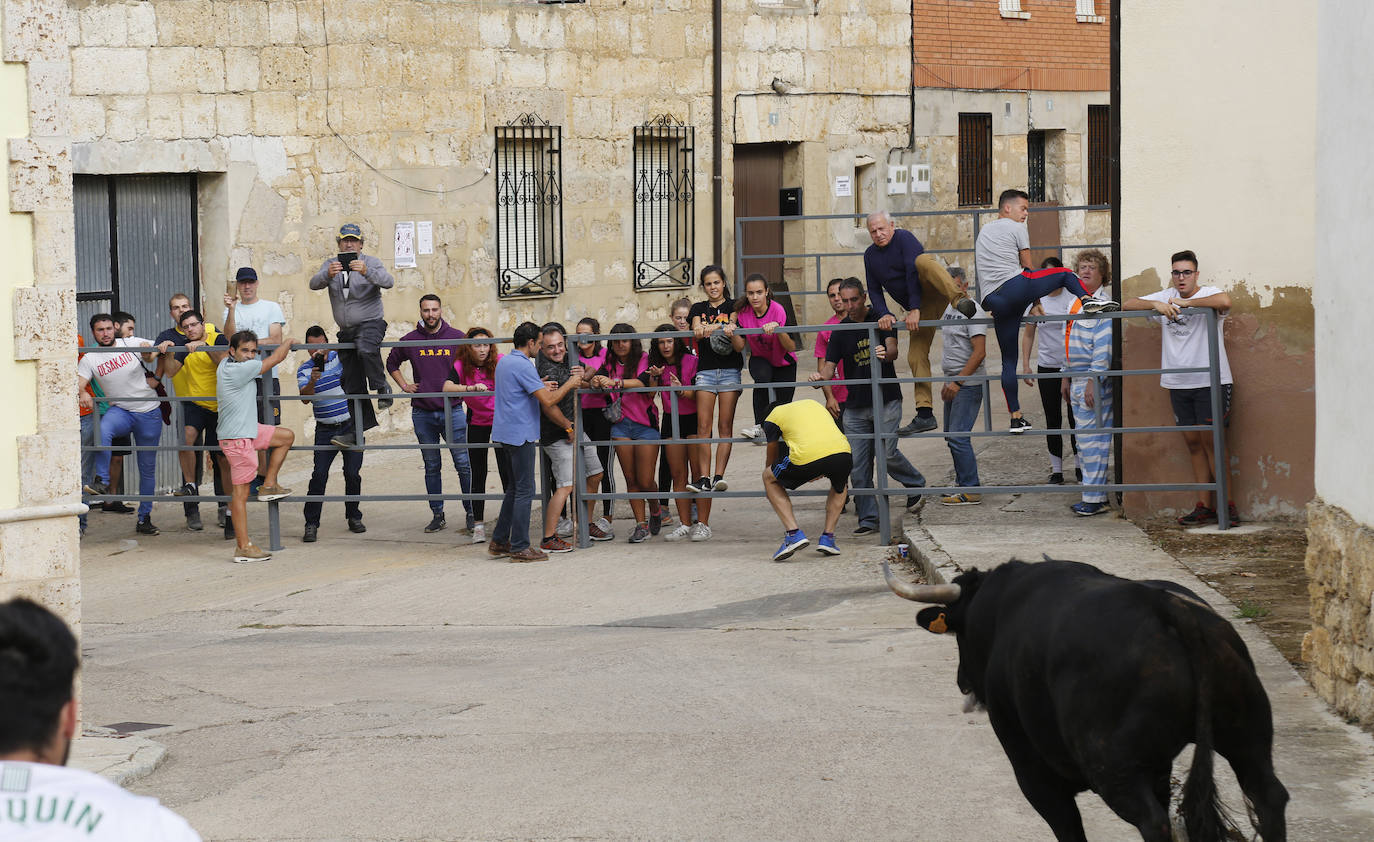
943 594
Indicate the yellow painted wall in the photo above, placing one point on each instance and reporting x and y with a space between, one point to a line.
18 380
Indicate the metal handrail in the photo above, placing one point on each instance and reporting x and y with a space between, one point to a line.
874 382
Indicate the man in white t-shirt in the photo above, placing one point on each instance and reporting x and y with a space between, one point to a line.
1184 345
265 319
134 408
45 800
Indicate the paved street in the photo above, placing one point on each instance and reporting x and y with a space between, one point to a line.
398 686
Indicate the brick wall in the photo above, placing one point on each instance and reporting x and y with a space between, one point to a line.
968 44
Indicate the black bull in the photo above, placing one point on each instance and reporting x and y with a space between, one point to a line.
1096 682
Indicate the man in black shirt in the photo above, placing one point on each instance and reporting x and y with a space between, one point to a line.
555 368
852 347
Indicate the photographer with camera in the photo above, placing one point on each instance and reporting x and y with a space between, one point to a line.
355 282
319 377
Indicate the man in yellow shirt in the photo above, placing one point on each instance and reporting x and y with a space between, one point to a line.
191 365
803 445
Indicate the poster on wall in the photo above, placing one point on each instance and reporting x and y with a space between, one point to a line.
843 186
405 245
424 237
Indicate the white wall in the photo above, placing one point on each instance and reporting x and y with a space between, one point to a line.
1217 139
1344 308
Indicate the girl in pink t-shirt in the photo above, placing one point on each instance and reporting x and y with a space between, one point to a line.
474 370
771 357
626 367
670 364
592 356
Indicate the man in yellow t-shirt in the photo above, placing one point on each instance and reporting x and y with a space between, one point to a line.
192 366
804 444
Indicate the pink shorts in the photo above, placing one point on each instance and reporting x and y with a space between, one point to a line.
242 454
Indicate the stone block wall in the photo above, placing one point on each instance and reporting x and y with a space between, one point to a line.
1340 646
40 491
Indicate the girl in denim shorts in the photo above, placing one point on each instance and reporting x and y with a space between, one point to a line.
718 379
626 367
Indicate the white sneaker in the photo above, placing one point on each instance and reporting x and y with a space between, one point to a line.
752 432
700 532
683 531
604 524
479 533
565 528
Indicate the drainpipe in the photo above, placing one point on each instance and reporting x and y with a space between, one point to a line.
1114 196
717 147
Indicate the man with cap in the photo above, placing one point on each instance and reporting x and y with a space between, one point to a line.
355 296
246 311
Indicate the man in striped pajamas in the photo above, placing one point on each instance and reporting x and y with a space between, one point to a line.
1088 359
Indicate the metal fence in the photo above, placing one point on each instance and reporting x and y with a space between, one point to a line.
881 489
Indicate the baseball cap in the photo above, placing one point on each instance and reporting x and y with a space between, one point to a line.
350 229
247 273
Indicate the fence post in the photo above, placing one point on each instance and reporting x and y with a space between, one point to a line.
584 539
1218 431
879 445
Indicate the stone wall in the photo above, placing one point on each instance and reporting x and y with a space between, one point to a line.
39 493
1340 646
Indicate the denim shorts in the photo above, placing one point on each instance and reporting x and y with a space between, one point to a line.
718 380
633 430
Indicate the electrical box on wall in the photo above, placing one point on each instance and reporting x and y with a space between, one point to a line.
920 178
897 180
790 201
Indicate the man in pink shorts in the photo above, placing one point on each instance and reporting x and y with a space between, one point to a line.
241 435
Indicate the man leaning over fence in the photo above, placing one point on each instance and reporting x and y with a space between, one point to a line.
430 366
355 297
556 370
133 409
193 375
320 377
851 349
897 265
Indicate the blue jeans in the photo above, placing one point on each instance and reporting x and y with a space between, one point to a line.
429 428
960 414
858 420
1008 302
324 460
513 524
88 457
147 429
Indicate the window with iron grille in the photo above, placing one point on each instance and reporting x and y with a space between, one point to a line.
1099 154
664 196
1035 166
975 159
529 208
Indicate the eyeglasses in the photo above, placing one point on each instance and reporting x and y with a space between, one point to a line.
1182 273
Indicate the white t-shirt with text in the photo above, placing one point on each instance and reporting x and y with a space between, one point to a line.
1185 342
121 375
58 803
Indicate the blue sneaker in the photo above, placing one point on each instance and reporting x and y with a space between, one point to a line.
826 545
1089 509
791 542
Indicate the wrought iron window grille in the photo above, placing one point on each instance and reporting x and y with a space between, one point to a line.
529 208
664 197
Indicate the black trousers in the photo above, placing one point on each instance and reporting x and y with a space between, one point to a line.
478 457
1054 405
762 371
362 366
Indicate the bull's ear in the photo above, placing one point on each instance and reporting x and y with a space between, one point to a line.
932 619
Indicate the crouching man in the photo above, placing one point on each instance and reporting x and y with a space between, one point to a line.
804 444
241 436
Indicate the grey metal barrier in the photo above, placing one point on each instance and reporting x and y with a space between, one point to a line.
879 435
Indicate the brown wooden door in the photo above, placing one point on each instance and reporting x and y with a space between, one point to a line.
1043 228
758 182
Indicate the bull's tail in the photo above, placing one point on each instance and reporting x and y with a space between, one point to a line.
1201 808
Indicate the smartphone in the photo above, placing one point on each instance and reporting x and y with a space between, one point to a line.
347 257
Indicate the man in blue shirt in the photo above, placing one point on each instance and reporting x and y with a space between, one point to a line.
519 396
897 264
321 376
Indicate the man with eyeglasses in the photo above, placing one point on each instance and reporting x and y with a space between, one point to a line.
1184 345
191 364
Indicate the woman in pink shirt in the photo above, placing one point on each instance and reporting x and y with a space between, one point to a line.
475 371
626 367
771 357
670 364
592 356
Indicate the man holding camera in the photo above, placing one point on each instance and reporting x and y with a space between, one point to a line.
355 282
319 378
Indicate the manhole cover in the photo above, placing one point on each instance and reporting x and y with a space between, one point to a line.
131 727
